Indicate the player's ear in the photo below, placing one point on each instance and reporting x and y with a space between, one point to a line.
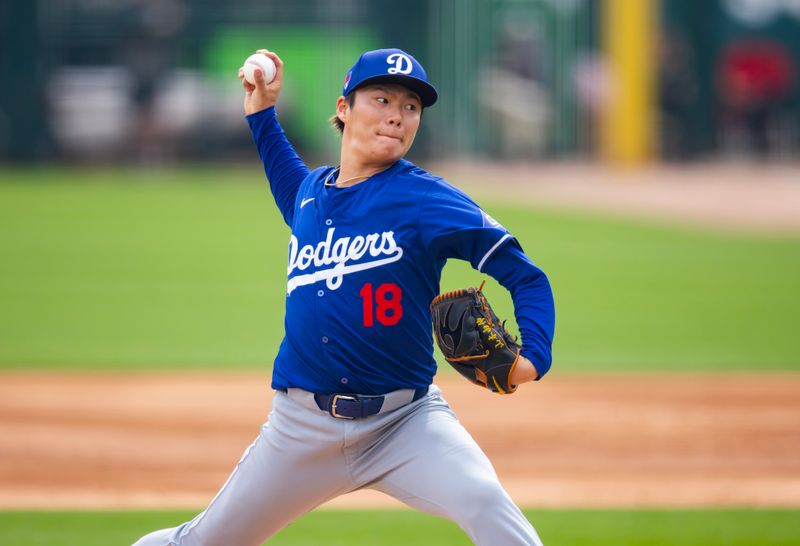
342 109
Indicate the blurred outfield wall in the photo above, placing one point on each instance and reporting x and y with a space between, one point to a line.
154 81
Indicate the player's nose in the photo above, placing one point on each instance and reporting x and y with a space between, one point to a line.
395 117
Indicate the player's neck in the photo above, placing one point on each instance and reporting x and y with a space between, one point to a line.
353 171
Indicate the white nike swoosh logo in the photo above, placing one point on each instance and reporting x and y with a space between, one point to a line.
304 202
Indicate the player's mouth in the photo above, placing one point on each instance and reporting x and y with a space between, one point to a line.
398 138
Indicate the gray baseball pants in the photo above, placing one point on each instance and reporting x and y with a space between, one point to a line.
419 454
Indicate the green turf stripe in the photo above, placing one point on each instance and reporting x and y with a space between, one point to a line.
390 528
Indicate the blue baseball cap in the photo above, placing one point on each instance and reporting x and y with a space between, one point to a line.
391 66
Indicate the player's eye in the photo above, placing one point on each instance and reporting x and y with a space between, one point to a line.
382 100
411 107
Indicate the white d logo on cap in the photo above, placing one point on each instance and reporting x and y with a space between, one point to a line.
402 64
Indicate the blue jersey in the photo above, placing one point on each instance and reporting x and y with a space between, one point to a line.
364 263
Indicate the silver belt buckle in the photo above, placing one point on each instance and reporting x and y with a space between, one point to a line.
335 400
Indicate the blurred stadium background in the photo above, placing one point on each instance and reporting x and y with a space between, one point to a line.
154 80
646 153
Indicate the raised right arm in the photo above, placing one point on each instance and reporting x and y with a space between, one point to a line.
283 167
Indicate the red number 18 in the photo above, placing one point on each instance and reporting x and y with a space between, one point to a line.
388 298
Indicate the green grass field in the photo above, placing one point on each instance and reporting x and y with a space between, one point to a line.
400 528
185 269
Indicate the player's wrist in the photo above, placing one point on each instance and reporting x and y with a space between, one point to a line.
262 112
523 372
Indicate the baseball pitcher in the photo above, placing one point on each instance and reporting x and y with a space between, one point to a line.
354 405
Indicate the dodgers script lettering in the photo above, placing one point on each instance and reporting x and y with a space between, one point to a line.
381 247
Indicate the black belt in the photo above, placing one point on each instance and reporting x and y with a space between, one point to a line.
356 406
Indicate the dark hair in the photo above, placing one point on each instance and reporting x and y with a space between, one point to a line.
338 124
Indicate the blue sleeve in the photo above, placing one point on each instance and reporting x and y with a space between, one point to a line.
283 167
454 226
533 302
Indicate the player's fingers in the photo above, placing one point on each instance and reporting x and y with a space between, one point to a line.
246 85
272 55
261 83
278 66
275 58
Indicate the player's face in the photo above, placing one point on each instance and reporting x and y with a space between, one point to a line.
382 122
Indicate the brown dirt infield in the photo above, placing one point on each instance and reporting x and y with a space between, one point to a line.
169 440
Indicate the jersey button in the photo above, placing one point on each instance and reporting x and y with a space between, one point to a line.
324 339
320 293
328 222
344 381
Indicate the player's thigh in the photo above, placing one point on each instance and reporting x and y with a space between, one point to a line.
431 462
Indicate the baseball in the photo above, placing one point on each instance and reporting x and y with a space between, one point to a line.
259 60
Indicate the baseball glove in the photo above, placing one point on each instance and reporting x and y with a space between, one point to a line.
473 340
